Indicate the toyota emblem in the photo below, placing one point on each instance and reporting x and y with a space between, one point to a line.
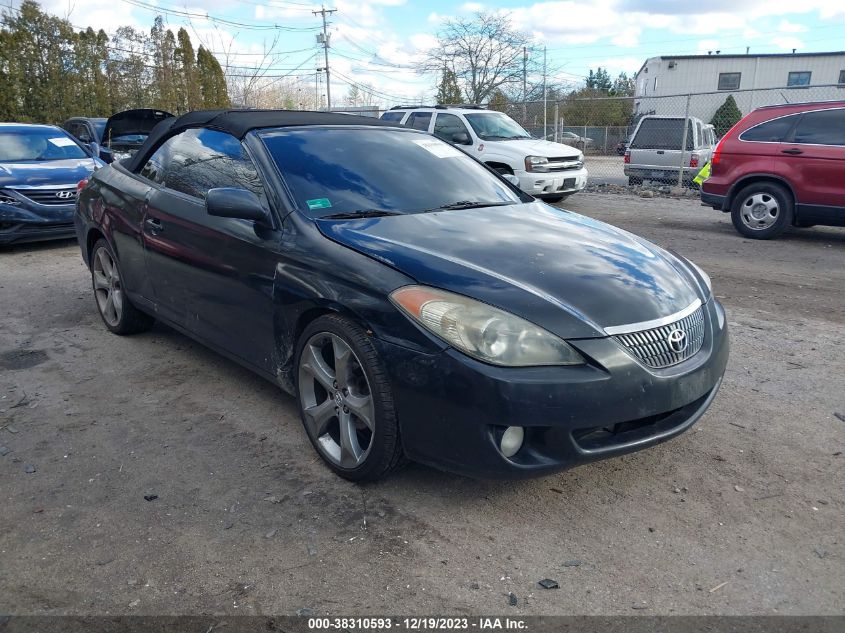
677 340
65 195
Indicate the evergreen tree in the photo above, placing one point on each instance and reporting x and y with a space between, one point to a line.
186 62
448 92
726 116
212 82
498 101
353 97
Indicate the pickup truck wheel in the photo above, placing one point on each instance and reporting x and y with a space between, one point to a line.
762 210
345 400
117 312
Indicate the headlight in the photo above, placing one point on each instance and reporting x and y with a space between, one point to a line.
704 276
482 331
536 163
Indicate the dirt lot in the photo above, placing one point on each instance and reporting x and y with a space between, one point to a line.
742 515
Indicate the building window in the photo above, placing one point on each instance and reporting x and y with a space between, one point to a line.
729 81
799 79
842 78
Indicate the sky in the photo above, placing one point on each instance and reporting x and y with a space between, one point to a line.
378 42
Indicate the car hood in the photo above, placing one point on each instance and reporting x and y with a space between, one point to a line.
567 273
538 147
49 172
140 121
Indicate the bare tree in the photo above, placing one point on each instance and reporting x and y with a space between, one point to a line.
485 53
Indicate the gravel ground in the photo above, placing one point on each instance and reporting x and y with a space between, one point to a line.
742 515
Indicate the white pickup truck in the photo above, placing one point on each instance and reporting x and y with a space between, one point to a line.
546 170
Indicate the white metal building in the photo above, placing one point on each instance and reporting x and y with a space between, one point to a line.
753 80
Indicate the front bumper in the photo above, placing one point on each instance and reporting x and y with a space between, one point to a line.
20 224
552 184
452 409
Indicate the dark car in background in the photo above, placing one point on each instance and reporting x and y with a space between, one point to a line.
781 166
118 136
89 131
40 167
462 324
126 131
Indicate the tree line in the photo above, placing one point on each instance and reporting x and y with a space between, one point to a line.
49 71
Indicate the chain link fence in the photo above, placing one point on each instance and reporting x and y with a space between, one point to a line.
663 151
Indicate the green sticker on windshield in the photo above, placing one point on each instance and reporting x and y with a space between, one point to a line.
319 203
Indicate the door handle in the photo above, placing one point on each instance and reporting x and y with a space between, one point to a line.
793 151
154 224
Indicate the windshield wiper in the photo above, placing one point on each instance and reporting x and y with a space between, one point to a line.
360 213
467 204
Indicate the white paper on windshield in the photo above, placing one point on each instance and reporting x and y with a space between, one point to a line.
438 148
61 141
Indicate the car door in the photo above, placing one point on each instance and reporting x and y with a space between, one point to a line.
815 155
448 126
212 276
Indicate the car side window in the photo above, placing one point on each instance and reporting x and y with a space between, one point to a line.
774 131
821 127
392 116
419 120
447 125
159 162
199 159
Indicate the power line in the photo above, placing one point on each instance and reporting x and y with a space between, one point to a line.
159 9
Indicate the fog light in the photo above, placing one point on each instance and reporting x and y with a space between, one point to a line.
511 440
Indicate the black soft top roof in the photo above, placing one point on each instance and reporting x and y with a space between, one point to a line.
239 123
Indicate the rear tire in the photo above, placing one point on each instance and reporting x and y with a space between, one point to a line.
762 210
345 400
633 181
115 308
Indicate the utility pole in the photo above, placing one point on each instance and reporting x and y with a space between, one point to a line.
524 84
545 117
323 39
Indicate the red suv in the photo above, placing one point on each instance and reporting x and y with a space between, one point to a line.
781 166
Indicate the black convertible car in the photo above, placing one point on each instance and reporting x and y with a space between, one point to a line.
417 303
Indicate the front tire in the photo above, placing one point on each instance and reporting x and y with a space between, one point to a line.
762 210
553 199
345 400
115 308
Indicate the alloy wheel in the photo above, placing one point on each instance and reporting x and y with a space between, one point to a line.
759 211
107 287
336 400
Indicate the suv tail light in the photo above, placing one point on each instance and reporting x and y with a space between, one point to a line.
693 160
627 157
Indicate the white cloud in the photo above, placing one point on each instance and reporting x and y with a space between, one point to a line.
787 42
472 7
786 26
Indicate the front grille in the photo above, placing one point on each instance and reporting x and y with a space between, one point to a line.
653 348
564 164
51 197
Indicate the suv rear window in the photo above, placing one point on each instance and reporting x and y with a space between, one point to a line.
662 134
773 131
419 120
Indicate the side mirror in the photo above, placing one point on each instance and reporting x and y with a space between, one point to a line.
229 202
461 138
511 179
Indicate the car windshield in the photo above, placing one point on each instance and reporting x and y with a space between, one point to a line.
495 126
334 171
99 126
37 144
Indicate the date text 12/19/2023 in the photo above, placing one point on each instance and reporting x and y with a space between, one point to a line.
376 624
